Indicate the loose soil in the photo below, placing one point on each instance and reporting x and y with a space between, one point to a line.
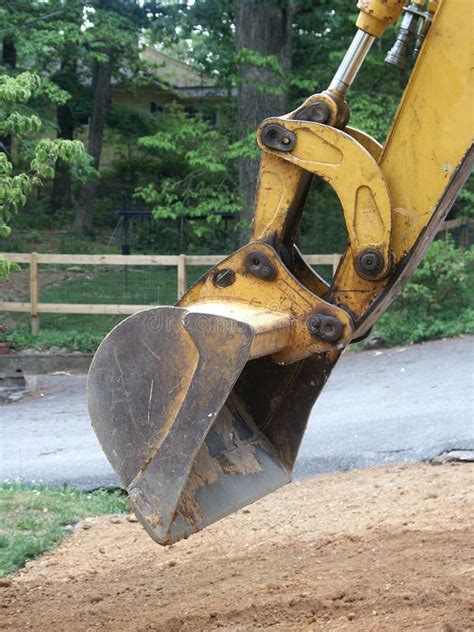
370 550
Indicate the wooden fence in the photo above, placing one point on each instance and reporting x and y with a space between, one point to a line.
34 307
465 226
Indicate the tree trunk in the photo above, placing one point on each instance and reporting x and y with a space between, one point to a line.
8 52
264 27
102 93
61 194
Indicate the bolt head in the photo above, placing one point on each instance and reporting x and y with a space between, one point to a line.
224 278
326 327
258 264
370 263
319 112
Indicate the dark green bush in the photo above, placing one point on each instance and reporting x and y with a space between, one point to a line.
437 302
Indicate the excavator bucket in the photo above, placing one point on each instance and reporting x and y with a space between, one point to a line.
193 405
194 427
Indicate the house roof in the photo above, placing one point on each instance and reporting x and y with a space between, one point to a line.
175 73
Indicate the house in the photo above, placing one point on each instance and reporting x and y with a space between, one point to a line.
172 80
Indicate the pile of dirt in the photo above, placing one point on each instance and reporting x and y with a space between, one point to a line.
371 550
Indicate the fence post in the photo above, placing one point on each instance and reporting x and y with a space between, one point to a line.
335 263
464 235
181 275
34 292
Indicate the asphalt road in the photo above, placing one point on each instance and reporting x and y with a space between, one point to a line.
378 407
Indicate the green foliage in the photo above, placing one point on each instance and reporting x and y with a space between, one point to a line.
191 141
373 113
254 58
6 267
129 123
437 302
198 171
67 40
245 147
13 193
207 39
272 82
48 151
15 93
19 89
34 518
323 228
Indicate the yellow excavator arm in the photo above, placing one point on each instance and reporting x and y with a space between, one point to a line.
201 408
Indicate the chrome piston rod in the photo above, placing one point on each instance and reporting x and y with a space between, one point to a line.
350 65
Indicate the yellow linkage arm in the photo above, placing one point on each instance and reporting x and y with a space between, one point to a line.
426 159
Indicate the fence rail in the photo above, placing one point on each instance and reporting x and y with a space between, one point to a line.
34 307
465 226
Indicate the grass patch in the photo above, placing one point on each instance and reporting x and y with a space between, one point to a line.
84 341
142 285
130 285
33 518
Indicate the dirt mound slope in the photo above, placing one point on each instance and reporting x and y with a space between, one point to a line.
370 550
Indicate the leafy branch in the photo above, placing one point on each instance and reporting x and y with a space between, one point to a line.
16 120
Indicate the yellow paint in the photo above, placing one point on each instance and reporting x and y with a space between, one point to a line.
352 172
376 15
277 309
